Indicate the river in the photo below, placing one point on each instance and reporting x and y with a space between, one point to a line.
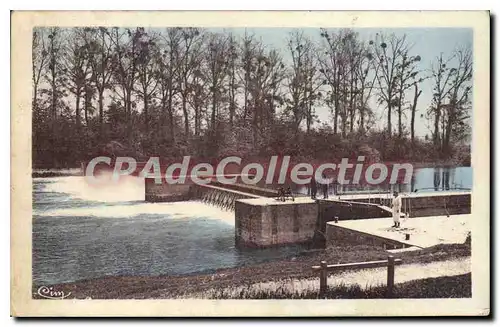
83 232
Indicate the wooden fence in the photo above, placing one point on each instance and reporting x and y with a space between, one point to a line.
324 269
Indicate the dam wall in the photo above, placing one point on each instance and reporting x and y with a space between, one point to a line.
261 220
423 204
165 192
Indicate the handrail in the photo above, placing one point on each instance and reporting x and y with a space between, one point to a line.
324 269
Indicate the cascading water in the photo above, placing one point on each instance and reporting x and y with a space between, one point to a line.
82 232
224 199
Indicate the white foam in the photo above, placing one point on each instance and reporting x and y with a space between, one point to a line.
177 210
129 188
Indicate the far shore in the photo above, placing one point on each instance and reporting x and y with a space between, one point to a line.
76 171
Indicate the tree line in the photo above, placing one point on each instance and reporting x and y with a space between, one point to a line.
192 91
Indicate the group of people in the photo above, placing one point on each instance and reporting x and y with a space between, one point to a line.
314 188
397 201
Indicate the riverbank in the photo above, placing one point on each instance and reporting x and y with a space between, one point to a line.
363 283
445 286
58 172
44 173
144 287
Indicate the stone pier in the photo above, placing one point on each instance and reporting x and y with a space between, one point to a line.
267 222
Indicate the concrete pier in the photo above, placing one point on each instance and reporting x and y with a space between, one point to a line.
265 222
418 232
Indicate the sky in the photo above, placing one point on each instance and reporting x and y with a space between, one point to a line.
427 42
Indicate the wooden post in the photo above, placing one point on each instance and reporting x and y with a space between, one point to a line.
390 276
323 279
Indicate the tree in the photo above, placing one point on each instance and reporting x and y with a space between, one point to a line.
249 51
302 80
273 91
365 70
225 94
233 78
99 45
459 102
77 64
146 72
217 55
55 75
168 77
389 52
264 77
414 110
124 62
348 68
407 76
39 61
331 70
190 49
451 98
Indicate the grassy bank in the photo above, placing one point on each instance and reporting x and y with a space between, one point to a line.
126 287
440 287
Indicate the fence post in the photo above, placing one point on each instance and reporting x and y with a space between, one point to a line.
390 275
323 278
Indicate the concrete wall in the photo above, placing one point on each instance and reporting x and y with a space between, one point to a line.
437 204
340 236
425 206
347 210
165 192
272 223
250 189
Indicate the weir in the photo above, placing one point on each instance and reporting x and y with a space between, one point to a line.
262 220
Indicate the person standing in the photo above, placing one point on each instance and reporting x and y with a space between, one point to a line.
314 188
325 186
396 209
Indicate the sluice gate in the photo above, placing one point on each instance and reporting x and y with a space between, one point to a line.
218 196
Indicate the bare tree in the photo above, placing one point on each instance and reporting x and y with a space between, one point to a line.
199 99
366 70
457 110
124 61
302 80
330 64
451 98
190 49
39 61
273 90
416 95
217 55
247 53
100 56
55 75
389 52
168 78
407 76
347 68
146 72
263 77
77 63
233 78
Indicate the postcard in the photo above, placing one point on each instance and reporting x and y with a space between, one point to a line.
250 164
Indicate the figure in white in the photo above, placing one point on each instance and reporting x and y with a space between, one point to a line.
396 209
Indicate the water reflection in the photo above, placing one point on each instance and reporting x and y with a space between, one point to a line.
423 180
